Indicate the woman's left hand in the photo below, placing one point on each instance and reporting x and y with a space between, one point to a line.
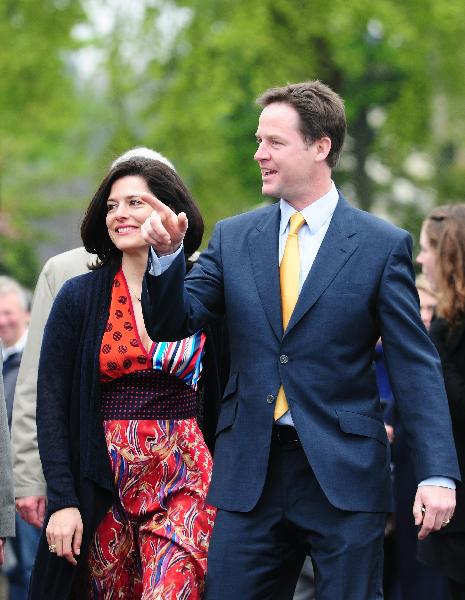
64 533
2 554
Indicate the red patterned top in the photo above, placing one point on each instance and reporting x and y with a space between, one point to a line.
122 351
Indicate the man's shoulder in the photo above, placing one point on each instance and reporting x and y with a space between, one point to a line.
65 266
251 217
373 224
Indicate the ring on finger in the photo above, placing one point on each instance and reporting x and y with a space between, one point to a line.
52 548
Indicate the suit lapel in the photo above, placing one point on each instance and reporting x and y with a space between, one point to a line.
335 250
264 257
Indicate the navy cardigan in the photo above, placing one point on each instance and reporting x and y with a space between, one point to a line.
69 426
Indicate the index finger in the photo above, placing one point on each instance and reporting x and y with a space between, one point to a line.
155 203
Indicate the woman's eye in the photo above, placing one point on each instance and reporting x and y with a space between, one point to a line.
135 201
110 207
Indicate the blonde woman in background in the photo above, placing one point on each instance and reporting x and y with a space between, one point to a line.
442 258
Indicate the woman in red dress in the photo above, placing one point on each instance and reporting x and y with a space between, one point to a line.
126 464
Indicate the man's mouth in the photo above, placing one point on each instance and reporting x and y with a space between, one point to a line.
268 172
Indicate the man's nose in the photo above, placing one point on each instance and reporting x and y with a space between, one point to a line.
261 152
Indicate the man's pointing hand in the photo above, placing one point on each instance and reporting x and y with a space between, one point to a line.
164 230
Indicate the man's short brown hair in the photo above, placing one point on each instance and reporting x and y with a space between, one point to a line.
320 109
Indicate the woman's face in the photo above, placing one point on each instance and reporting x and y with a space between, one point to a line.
126 212
427 258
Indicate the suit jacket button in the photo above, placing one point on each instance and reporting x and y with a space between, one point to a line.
283 359
270 398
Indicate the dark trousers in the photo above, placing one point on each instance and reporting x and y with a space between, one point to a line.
24 547
258 555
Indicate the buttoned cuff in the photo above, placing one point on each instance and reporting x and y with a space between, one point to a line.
159 264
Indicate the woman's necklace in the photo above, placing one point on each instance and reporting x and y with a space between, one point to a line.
134 294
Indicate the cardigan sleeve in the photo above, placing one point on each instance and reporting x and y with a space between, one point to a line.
54 392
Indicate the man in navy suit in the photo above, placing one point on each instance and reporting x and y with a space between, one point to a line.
316 479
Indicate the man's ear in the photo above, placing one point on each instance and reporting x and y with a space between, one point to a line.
323 148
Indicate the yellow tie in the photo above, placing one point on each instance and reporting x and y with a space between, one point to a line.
289 277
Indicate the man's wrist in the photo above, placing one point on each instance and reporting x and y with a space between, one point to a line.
159 264
439 481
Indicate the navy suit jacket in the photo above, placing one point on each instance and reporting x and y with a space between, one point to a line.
361 286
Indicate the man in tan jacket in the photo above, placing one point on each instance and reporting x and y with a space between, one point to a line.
30 489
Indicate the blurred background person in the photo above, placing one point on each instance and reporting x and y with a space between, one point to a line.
428 299
14 319
442 258
7 514
412 579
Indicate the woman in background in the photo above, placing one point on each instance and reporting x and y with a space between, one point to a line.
126 465
428 300
442 258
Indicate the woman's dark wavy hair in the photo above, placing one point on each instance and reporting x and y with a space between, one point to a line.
164 183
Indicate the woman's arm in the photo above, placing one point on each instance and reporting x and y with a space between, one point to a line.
54 393
57 368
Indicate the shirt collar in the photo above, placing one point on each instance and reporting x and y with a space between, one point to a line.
316 214
18 347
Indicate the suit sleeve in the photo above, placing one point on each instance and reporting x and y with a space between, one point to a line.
7 507
414 369
175 308
27 468
54 387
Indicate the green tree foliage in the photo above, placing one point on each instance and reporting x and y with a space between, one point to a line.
398 66
37 107
181 76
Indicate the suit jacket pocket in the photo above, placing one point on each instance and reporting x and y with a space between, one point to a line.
349 287
358 424
228 405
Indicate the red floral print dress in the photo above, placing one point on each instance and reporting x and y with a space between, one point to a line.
153 542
